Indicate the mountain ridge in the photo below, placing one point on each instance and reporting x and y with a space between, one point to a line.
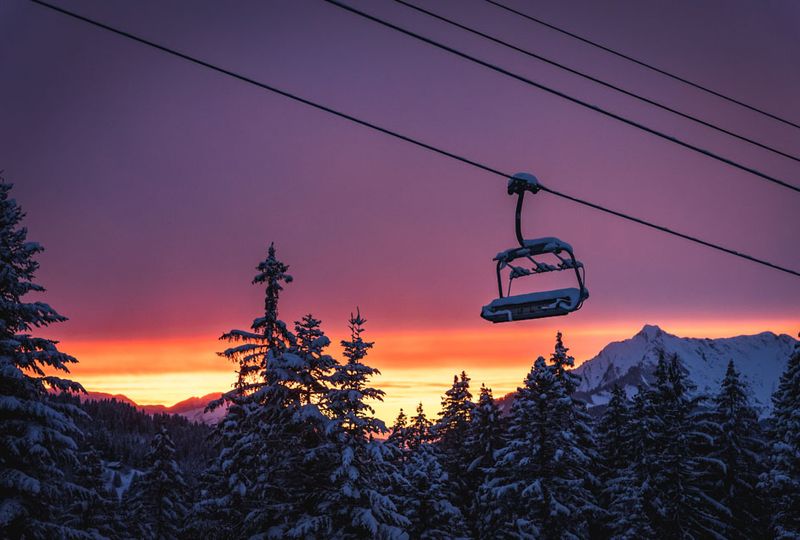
192 408
760 358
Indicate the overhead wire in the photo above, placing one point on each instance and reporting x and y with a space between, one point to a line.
596 80
642 63
553 91
406 138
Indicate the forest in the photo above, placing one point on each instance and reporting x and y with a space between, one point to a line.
301 454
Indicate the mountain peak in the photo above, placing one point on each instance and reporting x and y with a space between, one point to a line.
650 332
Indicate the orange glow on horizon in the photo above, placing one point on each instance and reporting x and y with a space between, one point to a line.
416 365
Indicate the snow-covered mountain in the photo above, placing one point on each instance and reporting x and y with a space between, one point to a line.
760 358
192 408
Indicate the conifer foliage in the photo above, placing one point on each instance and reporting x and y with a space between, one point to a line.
541 484
738 445
359 503
782 481
420 430
451 433
429 507
39 438
158 498
484 439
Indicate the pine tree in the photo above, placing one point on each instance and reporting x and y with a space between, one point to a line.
238 462
429 507
621 493
399 435
213 512
39 434
317 366
562 363
484 439
485 435
543 477
451 432
358 502
678 495
738 446
419 432
252 432
580 425
272 455
158 499
613 434
514 486
782 480
95 510
455 416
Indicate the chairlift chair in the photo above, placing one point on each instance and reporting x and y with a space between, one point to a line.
536 305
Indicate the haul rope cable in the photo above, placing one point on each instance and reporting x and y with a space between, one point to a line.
642 63
406 138
561 94
601 82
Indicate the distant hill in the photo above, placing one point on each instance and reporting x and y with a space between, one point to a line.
192 408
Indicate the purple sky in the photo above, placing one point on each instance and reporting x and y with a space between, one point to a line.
155 185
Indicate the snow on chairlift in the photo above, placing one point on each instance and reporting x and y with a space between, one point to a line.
538 304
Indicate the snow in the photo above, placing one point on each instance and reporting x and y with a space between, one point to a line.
760 358
569 296
126 476
521 182
534 246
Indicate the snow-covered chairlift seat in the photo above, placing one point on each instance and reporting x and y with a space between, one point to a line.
536 305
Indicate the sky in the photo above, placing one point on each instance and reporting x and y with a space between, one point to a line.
156 185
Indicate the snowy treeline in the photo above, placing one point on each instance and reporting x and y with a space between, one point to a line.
300 453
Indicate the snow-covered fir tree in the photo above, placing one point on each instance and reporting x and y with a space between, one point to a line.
456 414
613 433
624 490
222 503
543 473
268 334
562 364
623 515
358 502
95 509
485 438
241 433
420 430
272 455
782 480
580 425
213 510
739 446
677 436
399 435
451 432
513 490
428 506
317 365
39 435
158 505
